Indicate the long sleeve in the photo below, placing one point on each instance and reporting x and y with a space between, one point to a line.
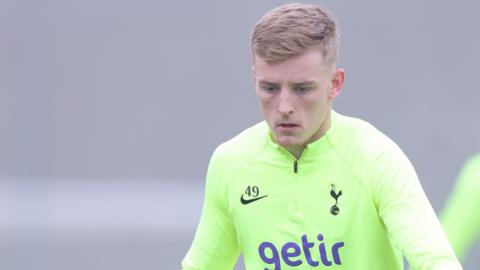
461 218
408 216
215 244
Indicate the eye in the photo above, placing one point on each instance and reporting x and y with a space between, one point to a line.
270 88
302 89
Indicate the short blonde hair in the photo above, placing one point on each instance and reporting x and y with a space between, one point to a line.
292 29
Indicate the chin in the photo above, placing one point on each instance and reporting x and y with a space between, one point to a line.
287 141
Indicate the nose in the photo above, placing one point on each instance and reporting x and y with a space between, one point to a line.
285 105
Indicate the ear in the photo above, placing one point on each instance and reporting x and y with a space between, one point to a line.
254 74
336 83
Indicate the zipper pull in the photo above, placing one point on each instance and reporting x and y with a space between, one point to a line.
295 166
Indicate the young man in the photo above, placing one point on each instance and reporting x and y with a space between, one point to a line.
309 188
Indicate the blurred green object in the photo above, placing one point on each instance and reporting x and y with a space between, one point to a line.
461 215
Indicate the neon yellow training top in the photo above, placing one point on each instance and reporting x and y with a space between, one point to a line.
351 201
461 216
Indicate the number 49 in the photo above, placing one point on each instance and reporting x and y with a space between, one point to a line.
252 191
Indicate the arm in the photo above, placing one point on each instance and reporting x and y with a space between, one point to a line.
460 217
215 244
407 214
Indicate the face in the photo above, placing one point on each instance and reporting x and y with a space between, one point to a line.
296 97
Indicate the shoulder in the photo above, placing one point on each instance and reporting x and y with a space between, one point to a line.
470 172
359 139
230 155
244 145
474 162
366 150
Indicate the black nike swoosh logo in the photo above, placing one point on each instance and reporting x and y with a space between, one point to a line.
243 201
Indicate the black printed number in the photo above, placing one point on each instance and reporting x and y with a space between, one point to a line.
252 191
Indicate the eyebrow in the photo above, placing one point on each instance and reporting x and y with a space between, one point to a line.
304 83
295 83
267 82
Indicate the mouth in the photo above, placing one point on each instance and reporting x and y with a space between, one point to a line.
286 126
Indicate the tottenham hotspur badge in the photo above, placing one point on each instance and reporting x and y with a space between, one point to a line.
334 210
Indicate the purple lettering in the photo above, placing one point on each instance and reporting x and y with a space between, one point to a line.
291 252
336 256
286 255
273 259
323 252
306 249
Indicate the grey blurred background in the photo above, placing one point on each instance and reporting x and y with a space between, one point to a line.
109 111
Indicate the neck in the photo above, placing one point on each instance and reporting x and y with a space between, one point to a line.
296 151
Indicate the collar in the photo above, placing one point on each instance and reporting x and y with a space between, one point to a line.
313 150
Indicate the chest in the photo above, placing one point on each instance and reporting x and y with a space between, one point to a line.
318 196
